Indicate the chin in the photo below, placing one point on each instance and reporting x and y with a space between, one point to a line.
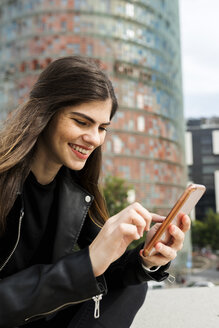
75 167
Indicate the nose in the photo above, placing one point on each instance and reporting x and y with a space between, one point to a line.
93 137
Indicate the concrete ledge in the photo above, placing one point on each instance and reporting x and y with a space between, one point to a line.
180 308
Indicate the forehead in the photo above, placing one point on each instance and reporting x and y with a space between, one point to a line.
97 110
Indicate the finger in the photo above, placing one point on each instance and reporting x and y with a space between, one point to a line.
133 214
129 230
144 213
157 218
137 220
168 252
154 260
158 260
185 222
177 237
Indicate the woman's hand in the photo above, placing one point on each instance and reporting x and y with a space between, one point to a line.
167 253
117 233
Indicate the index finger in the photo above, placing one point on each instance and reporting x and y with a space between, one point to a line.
157 218
147 216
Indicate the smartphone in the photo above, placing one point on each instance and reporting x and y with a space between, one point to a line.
185 204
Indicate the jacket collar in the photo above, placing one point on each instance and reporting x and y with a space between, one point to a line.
73 206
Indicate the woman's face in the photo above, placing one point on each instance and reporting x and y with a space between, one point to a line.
74 133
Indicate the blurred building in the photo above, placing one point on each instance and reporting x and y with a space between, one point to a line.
138 43
203 161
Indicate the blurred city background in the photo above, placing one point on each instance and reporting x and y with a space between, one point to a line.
166 133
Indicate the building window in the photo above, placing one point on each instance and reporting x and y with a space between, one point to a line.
89 49
48 61
206 149
126 171
216 181
140 101
23 67
130 10
189 148
141 123
210 169
76 19
77 4
130 125
130 33
69 45
35 64
210 159
206 140
109 146
215 141
76 48
117 145
63 25
77 29
132 139
64 2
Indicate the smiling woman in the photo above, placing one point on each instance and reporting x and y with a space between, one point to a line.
59 251
70 138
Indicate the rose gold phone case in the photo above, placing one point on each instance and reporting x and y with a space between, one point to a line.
185 204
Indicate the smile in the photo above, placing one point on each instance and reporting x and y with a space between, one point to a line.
80 149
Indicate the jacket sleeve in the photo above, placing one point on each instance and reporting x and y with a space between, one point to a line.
41 289
127 270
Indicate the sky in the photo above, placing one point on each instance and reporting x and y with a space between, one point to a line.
199 24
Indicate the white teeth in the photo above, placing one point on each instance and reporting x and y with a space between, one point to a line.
81 150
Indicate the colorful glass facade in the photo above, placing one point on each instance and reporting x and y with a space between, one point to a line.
138 43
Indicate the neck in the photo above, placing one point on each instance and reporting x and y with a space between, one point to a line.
43 169
43 175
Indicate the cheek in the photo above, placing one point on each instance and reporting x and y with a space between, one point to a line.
102 138
64 133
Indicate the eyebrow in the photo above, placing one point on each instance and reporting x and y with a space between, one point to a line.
88 118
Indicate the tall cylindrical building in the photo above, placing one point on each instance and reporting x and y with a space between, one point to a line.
138 42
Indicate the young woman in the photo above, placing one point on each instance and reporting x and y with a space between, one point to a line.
60 254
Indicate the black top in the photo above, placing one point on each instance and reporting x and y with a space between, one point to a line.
39 217
38 225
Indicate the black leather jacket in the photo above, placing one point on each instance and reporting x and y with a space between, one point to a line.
40 290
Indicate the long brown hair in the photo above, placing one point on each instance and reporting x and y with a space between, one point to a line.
66 81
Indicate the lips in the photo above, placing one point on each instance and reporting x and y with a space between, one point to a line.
81 152
80 149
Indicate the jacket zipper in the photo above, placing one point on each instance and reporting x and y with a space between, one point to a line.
97 300
96 309
17 241
171 279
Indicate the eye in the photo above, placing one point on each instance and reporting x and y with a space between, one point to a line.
102 128
79 122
